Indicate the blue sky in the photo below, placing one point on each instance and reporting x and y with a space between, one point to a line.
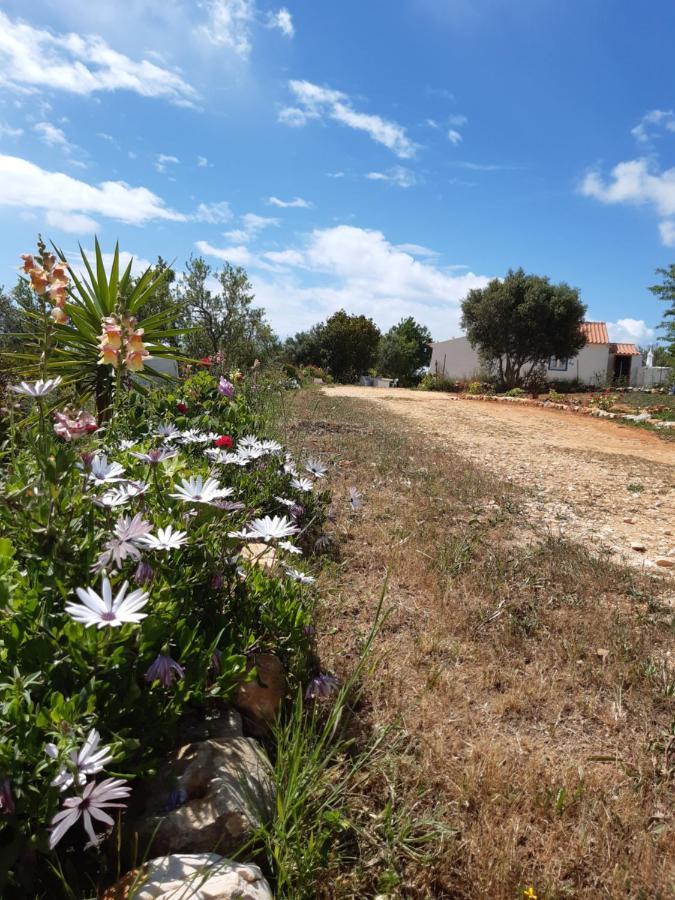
383 157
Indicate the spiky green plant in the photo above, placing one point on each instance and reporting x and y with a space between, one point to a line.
74 347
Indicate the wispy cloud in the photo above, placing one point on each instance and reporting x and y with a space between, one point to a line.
229 24
651 122
164 160
33 59
296 203
398 175
9 132
454 136
53 137
213 213
282 20
252 225
316 102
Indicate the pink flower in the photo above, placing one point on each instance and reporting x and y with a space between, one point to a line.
164 669
6 799
95 798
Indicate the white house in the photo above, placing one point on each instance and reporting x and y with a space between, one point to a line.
599 362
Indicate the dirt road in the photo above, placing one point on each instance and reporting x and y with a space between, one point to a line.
608 486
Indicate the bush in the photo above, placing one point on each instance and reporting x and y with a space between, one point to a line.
431 382
555 397
475 387
515 392
83 515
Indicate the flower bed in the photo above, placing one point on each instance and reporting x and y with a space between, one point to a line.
132 596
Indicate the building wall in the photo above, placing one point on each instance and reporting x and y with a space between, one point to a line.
457 359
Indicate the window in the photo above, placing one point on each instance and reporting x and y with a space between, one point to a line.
557 365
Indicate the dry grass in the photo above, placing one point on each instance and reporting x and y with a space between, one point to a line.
529 683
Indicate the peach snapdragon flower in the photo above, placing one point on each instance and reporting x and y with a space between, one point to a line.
121 337
48 278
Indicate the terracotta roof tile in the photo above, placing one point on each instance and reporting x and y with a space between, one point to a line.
625 349
596 332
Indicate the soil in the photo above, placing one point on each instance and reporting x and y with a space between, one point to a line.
610 487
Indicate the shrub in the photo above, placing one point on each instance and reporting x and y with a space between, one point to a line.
474 387
555 397
430 382
515 392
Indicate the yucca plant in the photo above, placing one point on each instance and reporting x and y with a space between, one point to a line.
95 306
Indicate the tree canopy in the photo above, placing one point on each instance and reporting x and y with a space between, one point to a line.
349 345
519 322
403 350
666 291
223 320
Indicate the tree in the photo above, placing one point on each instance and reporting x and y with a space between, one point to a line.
519 323
666 292
306 347
349 345
403 350
224 321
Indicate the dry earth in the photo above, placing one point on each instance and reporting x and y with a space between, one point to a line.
605 485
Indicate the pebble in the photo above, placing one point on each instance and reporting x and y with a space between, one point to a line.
665 563
637 545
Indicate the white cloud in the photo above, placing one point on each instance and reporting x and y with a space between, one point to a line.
637 182
282 20
296 203
27 186
458 120
454 136
315 102
34 58
9 132
138 264
164 160
252 225
432 123
72 223
419 250
213 213
236 255
658 118
367 274
230 23
633 331
202 162
53 137
398 175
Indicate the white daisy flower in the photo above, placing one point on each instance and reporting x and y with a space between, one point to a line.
297 575
127 445
105 610
168 432
271 447
165 539
249 442
103 472
89 760
301 484
285 501
196 490
289 467
39 388
194 436
316 468
270 528
290 548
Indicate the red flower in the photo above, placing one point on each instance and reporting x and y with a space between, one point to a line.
181 407
205 360
224 441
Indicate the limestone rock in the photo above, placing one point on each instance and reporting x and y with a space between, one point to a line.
639 546
665 563
259 700
209 796
205 876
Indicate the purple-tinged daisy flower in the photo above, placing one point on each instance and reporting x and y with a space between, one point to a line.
144 573
355 498
322 686
225 388
89 760
105 611
164 669
290 548
91 805
156 456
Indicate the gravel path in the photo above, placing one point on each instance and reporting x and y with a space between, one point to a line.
609 486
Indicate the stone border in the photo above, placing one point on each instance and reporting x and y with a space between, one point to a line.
575 408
